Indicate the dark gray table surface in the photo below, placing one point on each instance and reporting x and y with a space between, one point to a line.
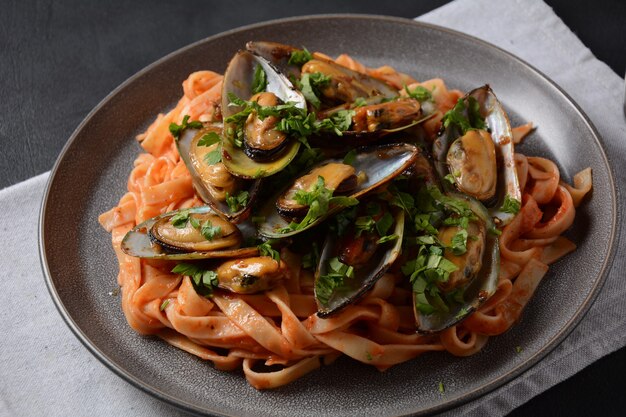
58 59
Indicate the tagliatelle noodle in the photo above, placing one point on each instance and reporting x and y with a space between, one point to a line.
280 327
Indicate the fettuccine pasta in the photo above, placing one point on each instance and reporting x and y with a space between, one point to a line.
275 336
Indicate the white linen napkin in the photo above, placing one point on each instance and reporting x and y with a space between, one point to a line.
46 371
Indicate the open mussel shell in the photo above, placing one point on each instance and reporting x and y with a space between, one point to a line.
377 165
375 120
450 144
202 175
157 238
251 161
364 276
340 178
479 289
276 53
345 84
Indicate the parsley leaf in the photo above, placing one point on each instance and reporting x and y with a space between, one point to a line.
326 284
511 205
259 82
209 139
459 242
177 130
214 156
204 281
350 157
180 219
300 58
384 223
265 249
311 259
310 85
465 120
419 93
387 238
338 122
319 200
364 224
237 202
209 231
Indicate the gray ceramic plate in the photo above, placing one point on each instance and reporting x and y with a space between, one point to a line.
90 177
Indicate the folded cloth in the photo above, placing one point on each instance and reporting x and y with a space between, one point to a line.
46 371
531 30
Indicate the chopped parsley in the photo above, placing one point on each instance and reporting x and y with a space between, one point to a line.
177 130
419 93
214 156
319 200
266 249
350 157
337 272
364 224
209 139
359 102
311 259
369 356
180 219
511 205
204 280
310 85
441 388
164 305
294 121
465 116
300 58
388 238
237 201
259 82
209 231
518 349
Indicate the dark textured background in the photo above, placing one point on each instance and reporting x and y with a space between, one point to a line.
59 59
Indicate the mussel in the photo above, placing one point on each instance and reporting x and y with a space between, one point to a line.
213 182
338 177
254 147
346 85
464 154
187 234
375 166
473 281
351 264
251 275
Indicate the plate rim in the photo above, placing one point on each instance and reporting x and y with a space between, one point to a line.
458 401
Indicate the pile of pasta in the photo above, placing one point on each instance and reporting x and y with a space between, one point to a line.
276 336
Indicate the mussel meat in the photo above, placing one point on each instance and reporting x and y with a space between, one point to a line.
251 275
253 146
188 234
201 150
374 166
338 177
462 151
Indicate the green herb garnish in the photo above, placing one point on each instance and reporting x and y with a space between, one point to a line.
209 139
333 279
419 93
259 82
164 305
511 205
237 201
300 58
204 280
311 84
266 249
177 130
180 219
